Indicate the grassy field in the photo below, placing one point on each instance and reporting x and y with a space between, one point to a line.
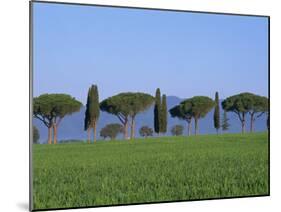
150 170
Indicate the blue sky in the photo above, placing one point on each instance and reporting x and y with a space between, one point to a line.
184 54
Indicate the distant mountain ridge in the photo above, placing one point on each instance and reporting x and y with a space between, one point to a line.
72 127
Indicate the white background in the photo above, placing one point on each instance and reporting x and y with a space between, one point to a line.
14 103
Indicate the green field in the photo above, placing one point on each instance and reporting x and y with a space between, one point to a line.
150 170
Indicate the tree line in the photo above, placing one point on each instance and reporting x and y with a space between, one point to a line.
50 109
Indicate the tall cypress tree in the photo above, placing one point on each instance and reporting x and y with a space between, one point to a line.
157 113
92 111
164 114
217 113
87 116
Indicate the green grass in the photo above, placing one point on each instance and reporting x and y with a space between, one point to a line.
150 170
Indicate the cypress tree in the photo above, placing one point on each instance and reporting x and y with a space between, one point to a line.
157 113
164 114
217 113
92 111
225 124
87 115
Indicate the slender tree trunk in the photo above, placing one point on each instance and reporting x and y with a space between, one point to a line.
133 128
217 131
95 132
196 126
243 122
126 129
243 126
55 133
252 123
89 135
189 128
50 135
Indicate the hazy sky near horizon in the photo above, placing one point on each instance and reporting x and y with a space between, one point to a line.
120 50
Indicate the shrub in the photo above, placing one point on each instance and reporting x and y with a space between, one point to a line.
177 130
146 131
111 131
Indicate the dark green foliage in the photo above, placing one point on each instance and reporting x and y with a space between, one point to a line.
118 105
36 135
111 131
157 113
52 108
183 112
125 105
244 103
198 107
217 113
240 104
150 170
259 107
92 110
86 119
177 130
146 131
164 114
225 125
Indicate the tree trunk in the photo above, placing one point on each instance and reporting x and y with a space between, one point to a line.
189 128
243 123
55 133
243 126
252 123
50 135
217 131
133 128
126 129
89 135
95 132
196 126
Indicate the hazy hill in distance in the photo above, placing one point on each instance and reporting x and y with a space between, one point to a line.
72 127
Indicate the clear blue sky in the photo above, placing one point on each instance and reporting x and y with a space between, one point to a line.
184 54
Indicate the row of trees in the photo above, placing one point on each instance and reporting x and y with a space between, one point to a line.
52 108
242 104
112 130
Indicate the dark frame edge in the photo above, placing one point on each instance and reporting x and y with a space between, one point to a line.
30 104
148 8
268 60
150 203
